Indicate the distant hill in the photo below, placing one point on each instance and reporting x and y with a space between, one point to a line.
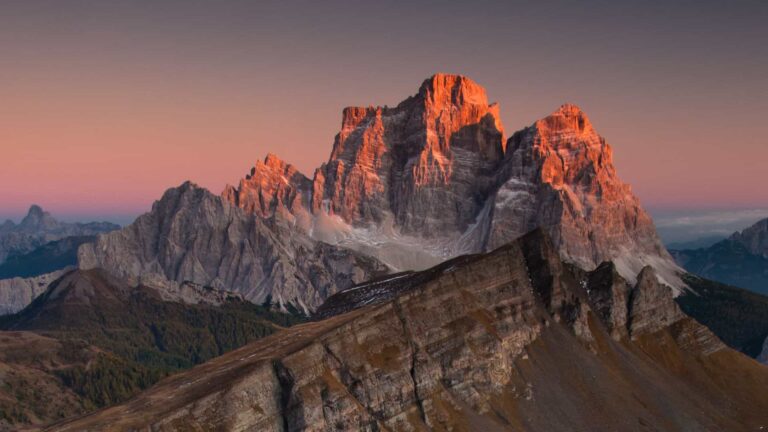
740 260
38 228
143 333
737 316
47 258
698 243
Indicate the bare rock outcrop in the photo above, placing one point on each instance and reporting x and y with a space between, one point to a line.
651 307
609 294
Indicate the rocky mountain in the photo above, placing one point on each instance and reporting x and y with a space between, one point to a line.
39 227
404 189
514 339
91 340
740 260
754 238
24 276
435 177
193 235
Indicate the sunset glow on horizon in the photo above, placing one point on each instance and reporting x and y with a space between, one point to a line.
105 106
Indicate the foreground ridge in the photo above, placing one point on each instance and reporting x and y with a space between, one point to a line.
510 340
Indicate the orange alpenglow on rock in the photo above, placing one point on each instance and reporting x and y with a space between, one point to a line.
434 177
405 188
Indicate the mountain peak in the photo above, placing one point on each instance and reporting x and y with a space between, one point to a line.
569 109
445 89
36 216
273 161
568 117
35 210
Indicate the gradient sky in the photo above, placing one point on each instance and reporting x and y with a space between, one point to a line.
105 104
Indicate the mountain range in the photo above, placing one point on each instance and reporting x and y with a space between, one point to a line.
740 260
36 252
404 188
435 273
39 227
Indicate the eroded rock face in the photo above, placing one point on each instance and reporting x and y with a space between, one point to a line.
434 178
560 175
193 235
481 343
651 307
419 161
609 294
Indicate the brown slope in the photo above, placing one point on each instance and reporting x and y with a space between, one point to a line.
504 341
32 389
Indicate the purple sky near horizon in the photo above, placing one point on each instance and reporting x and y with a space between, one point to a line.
107 104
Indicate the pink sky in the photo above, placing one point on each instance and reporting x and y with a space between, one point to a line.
106 107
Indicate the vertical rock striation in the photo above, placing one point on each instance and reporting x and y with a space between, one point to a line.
193 235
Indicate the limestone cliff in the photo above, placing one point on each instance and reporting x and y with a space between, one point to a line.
193 235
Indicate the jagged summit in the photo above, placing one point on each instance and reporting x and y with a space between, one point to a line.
448 89
434 178
568 117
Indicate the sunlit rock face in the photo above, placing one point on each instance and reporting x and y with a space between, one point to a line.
434 177
559 175
418 162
